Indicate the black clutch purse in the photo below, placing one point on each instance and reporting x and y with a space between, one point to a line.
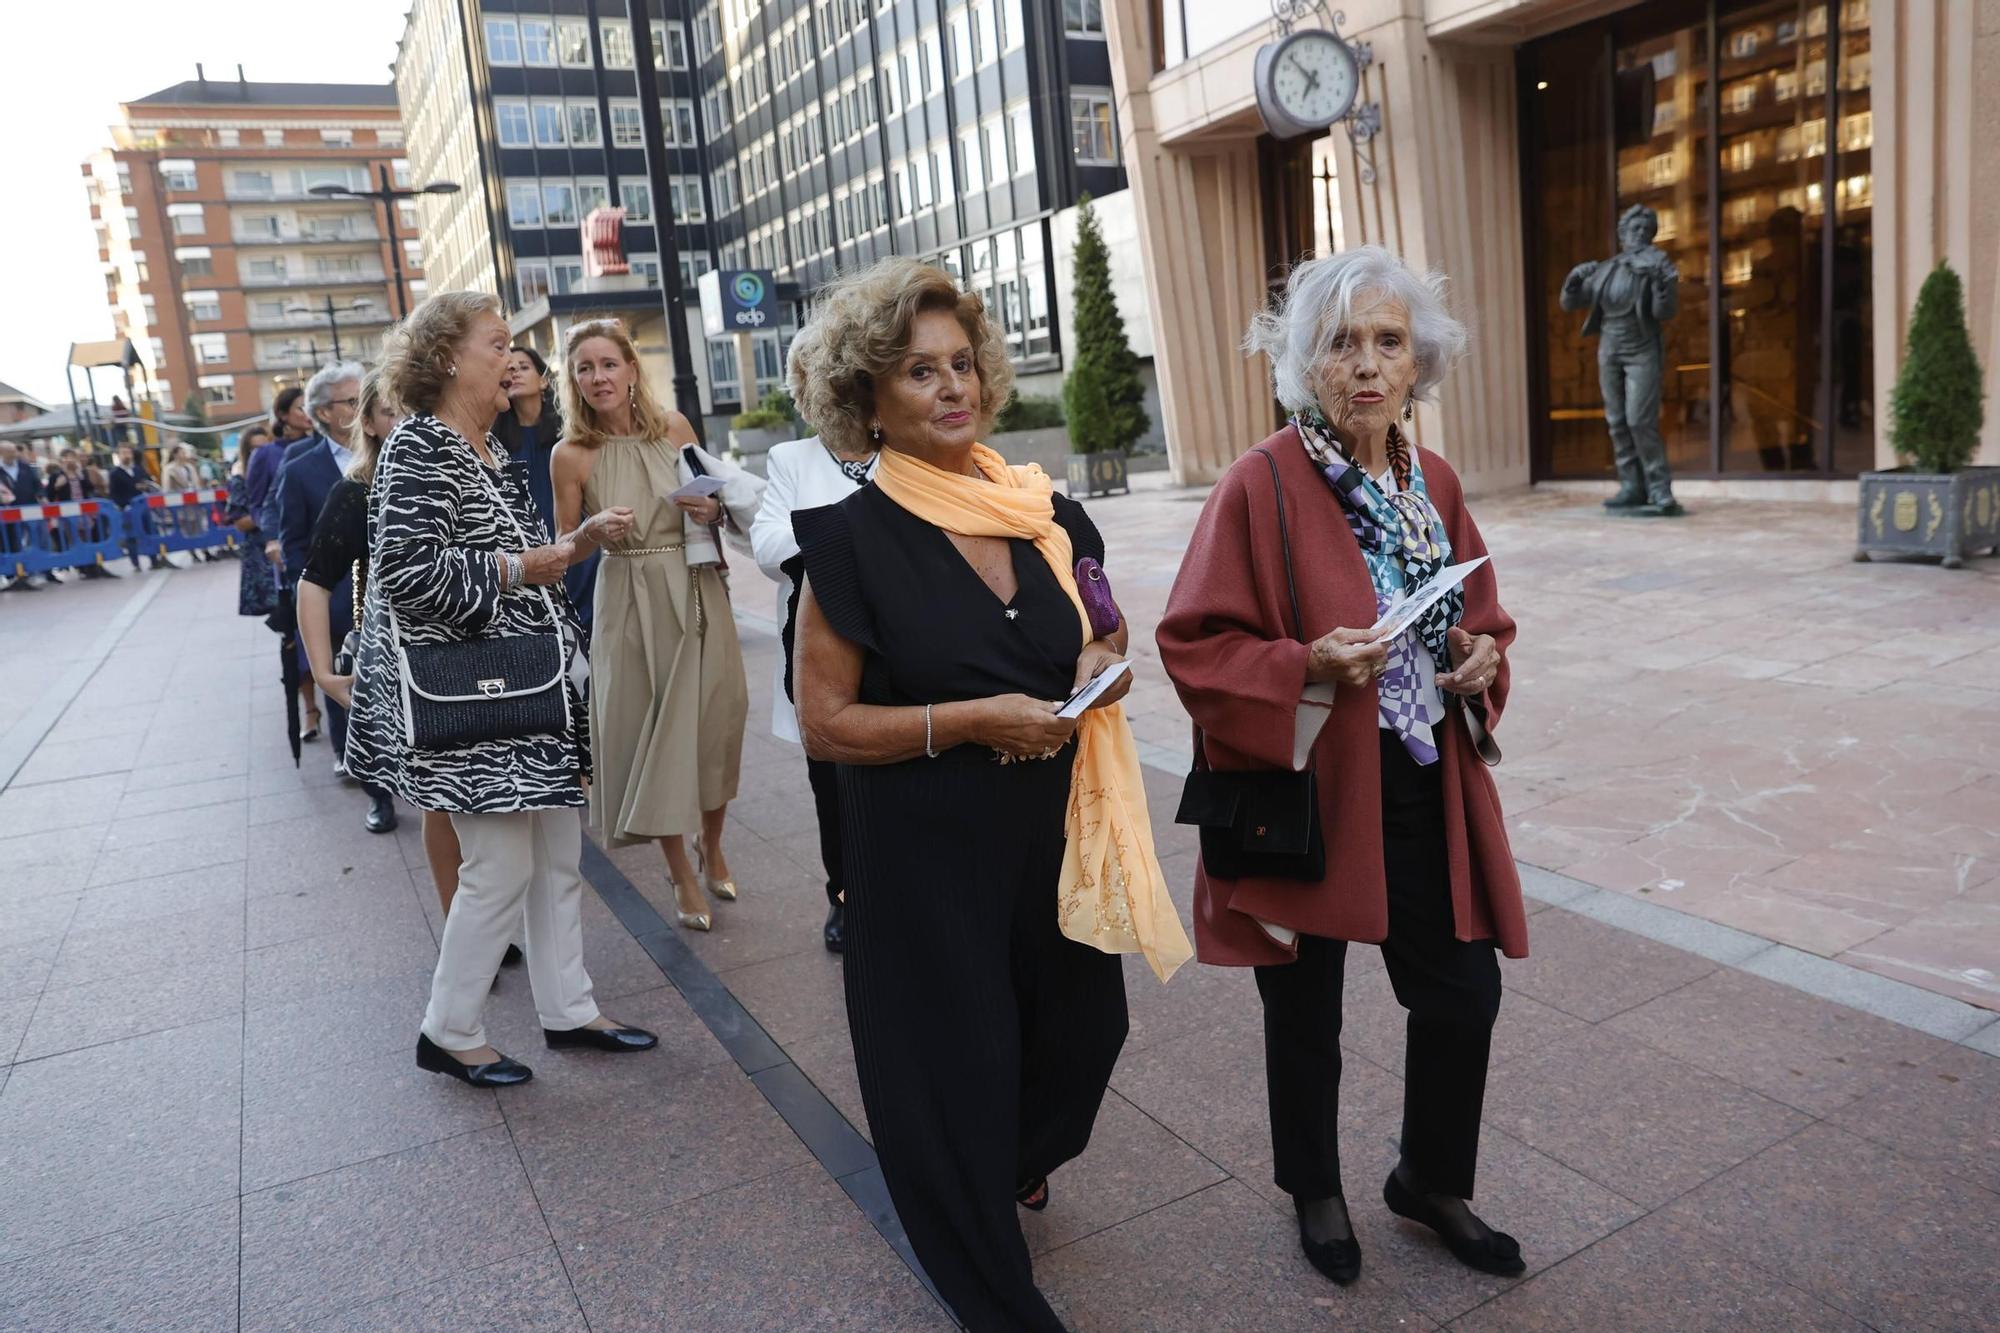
1258 823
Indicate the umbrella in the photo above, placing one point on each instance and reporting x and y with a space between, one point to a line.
285 620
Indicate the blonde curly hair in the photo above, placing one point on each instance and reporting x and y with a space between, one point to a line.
861 331
417 358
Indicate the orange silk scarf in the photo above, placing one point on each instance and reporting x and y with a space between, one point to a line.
1112 895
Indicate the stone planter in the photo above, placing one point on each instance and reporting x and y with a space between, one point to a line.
1098 474
749 446
1948 515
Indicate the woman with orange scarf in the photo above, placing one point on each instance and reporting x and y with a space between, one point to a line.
998 854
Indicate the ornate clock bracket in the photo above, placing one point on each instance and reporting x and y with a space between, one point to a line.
1363 122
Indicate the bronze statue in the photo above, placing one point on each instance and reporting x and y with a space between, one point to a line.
1631 296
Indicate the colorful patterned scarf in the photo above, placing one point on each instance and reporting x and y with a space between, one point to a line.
1403 541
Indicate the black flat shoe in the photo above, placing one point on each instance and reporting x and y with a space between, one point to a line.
513 957
501 1073
1498 1253
1337 1260
619 1040
381 816
1029 1191
836 929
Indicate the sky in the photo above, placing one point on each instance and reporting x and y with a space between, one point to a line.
70 65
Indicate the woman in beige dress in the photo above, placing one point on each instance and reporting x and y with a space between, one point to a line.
668 700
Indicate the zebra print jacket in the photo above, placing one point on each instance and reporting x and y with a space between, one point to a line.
434 528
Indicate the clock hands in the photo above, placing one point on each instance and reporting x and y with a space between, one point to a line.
1312 79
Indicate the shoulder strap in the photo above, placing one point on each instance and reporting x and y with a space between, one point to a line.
1285 542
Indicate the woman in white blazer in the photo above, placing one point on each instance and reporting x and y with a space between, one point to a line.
804 474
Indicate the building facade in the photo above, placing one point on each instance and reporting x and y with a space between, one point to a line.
803 136
221 263
1809 163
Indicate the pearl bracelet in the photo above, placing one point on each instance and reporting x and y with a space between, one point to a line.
929 753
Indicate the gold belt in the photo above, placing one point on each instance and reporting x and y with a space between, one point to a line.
645 550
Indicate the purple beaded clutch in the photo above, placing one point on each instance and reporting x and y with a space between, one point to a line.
1098 603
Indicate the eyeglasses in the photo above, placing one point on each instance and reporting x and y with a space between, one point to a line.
343 402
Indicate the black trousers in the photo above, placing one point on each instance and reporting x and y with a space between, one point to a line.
1451 989
983 1039
825 779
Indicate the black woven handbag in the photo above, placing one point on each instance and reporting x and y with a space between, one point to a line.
1259 823
500 687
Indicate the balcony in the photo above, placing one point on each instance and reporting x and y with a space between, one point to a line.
316 320
364 278
311 236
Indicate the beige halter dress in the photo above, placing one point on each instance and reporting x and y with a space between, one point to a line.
668 701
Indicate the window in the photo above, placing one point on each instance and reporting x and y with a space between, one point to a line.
590 195
687 199
1083 18
891 87
677 119
251 185
549 129
715 111
931 51
407 217
195 262
538 42
399 173
1011 35
637 197
670 46
211 349
1020 140
503 42
389 138
728 197
177 174
274 138
1091 129
413 254
531 280
524 204
203 305
583 129
617 39
558 204
187 220
565 276
692 267
627 129
940 172
265 270
510 114
573 43
257 226
723 384
959 26
217 388
337 138
707 33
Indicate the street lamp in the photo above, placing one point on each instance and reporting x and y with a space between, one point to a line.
359 305
388 194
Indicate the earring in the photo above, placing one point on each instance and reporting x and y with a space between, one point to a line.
632 394
1409 409
451 371
875 433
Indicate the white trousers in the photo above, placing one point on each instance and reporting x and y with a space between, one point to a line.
515 869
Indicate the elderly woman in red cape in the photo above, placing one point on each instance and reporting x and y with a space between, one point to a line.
1393 728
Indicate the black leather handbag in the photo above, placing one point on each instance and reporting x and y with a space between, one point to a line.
1258 823
500 687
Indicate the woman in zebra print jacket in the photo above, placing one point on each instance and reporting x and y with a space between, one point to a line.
457 552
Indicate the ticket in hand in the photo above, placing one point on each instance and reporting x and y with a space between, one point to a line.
1079 703
699 488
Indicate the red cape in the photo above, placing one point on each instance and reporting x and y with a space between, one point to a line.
1224 642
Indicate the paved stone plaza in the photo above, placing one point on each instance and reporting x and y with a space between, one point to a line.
1747 1080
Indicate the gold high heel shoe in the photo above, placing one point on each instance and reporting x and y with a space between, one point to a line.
724 889
691 920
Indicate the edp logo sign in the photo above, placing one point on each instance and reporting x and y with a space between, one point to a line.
737 301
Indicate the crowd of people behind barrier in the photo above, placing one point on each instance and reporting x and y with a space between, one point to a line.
70 514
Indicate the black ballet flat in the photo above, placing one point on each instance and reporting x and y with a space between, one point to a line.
1030 1190
619 1040
513 957
501 1073
1498 1254
1336 1260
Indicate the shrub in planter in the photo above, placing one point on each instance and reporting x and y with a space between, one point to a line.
1104 397
1937 506
1029 412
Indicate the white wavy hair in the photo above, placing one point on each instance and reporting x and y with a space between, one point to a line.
1297 331
319 389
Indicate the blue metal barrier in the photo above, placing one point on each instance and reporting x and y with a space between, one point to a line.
39 539
179 521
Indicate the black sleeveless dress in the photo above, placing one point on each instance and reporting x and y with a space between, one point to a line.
983 1038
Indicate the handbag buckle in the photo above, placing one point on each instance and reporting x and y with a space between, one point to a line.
493 688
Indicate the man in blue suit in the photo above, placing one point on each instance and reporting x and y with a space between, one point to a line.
20 484
312 466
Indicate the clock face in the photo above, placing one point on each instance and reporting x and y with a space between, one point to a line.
1313 78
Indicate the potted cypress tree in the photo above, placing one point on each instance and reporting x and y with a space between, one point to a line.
1104 397
1937 505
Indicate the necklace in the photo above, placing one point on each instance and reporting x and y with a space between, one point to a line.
856 470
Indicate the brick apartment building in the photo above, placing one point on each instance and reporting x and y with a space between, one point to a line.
219 260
